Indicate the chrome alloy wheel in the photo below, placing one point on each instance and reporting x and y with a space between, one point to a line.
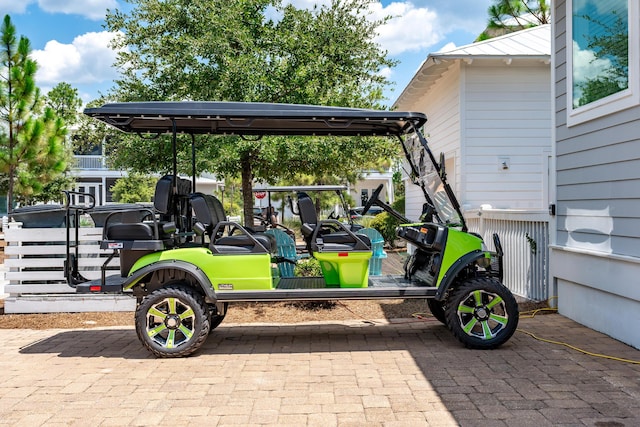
170 323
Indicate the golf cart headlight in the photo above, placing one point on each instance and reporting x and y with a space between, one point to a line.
484 262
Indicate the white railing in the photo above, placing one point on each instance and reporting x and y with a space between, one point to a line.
525 241
90 162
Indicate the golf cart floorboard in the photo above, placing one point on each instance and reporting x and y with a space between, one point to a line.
315 288
303 288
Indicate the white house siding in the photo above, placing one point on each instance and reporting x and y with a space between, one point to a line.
595 261
413 201
442 107
506 116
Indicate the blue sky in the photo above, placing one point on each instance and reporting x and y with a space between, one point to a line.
70 43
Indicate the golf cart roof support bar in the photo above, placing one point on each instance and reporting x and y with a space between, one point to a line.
174 151
193 162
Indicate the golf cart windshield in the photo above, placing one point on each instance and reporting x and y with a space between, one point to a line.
429 175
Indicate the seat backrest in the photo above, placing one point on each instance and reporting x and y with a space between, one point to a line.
173 205
162 198
218 208
162 195
308 216
208 210
307 210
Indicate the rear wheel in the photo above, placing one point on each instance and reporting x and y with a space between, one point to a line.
172 321
482 313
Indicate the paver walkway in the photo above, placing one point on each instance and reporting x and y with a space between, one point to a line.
410 373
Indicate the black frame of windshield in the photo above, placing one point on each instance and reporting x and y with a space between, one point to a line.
441 173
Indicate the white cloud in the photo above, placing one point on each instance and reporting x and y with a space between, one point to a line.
586 66
92 9
418 24
386 72
14 6
410 29
88 59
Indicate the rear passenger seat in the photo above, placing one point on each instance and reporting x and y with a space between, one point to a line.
209 212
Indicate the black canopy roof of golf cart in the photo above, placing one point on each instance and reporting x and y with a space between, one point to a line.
253 118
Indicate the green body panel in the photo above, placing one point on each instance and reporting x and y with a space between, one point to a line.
345 269
458 244
233 272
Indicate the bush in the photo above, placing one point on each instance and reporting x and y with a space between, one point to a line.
134 188
309 267
387 224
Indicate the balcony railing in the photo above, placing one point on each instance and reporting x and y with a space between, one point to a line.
90 162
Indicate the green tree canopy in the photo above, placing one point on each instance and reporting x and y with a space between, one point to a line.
32 150
65 101
252 50
507 16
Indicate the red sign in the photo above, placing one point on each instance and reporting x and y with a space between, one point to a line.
261 194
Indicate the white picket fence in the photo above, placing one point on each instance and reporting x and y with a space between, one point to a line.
525 240
34 271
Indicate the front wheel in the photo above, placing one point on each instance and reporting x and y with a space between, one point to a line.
172 321
482 313
437 309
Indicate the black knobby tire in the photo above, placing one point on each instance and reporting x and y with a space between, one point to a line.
172 321
215 317
437 309
482 313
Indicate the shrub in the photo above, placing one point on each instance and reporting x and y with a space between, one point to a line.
387 224
309 267
133 188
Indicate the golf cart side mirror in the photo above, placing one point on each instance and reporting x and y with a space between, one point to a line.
427 213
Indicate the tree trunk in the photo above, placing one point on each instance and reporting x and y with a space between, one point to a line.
12 171
10 190
247 193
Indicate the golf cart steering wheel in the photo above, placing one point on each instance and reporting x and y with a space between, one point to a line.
372 199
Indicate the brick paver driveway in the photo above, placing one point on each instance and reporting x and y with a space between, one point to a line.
410 373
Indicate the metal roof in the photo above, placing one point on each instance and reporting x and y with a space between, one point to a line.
531 44
535 41
253 118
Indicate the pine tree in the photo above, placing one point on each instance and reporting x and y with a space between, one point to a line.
32 145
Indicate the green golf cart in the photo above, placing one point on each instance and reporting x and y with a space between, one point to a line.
184 262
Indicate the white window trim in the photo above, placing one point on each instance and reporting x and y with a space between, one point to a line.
622 100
